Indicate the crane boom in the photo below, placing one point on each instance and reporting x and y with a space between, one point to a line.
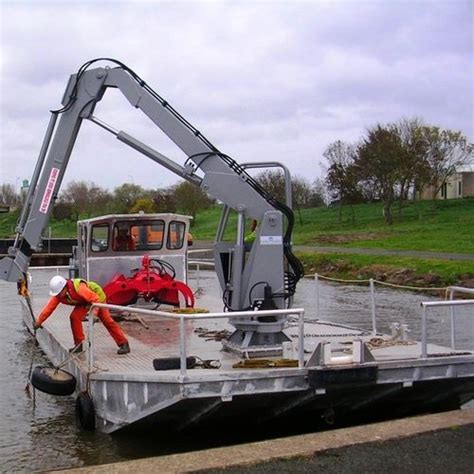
262 274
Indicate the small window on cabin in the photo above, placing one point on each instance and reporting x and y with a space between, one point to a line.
137 235
176 235
100 238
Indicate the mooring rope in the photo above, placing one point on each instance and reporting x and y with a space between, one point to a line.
384 283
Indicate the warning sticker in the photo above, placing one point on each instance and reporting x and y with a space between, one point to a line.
48 193
271 240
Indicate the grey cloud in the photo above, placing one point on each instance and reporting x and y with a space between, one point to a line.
261 80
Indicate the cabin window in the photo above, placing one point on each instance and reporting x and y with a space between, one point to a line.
176 235
136 235
100 238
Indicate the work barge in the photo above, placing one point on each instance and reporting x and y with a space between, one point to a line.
338 372
261 360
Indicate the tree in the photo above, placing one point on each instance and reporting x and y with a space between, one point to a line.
274 183
413 166
342 178
63 210
378 160
85 198
143 204
190 198
126 195
445 151
8 196
319 193
164 200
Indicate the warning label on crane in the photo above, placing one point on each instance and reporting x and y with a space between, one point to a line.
271 240
48 193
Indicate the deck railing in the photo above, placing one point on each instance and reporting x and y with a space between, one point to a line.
182 318
450 291
451 304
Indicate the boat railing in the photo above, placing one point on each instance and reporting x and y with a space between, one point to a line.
451 304
182 318
198 264
449 291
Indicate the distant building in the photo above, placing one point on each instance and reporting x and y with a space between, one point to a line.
459 185
4 208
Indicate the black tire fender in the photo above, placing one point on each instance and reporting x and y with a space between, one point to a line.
85 412
53 381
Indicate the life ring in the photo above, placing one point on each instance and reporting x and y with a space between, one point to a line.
85 412
53 381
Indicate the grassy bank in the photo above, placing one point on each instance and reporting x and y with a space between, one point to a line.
436 226
398 270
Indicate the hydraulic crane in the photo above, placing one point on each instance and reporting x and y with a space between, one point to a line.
262 277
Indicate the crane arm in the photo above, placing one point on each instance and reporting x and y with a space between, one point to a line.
220 176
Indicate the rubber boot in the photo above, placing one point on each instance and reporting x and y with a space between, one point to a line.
124 349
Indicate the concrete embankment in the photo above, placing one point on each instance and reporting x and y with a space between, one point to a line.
431 443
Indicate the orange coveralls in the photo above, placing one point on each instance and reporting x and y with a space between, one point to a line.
79 313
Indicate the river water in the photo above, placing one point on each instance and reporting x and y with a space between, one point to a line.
43 435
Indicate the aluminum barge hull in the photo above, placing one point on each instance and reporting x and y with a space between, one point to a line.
387 376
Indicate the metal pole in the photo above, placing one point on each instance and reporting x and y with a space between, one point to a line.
453 328
316 281
197 276
372 303
424 349
49 240
90 338
301 340
182 348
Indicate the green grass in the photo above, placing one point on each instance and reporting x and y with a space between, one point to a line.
438 226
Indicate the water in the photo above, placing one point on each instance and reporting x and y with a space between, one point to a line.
43 436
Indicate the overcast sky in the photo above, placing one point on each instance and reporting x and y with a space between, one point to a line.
262 80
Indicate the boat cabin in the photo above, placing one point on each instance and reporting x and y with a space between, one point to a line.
113 244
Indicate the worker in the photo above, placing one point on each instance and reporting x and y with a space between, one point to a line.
81 294
251 236
123 240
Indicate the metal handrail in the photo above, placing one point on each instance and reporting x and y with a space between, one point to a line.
198 316
430 304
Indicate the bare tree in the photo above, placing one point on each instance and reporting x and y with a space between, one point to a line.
445 151
85 198
9 196
378 160
342 177
190 198
413 166
164 200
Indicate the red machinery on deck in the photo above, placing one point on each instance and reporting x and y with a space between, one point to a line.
155 281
